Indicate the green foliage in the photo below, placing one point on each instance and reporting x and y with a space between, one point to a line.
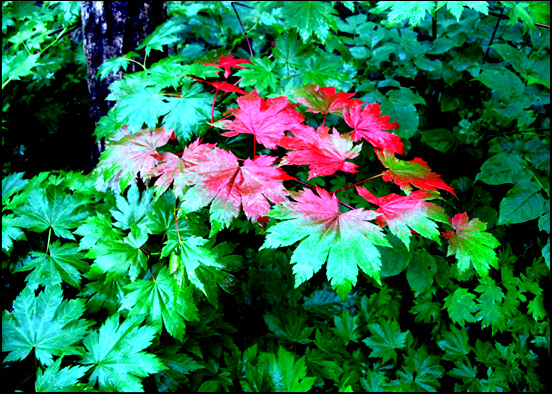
145 275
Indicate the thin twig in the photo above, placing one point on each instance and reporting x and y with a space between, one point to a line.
244 32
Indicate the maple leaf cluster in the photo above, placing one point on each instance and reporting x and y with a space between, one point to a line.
205 174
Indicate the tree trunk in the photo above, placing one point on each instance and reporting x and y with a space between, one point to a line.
111 29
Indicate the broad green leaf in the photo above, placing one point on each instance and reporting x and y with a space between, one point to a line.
522 203
400 106
61 380
463 371
461 306
517 59
346 240
50 208
507 84
455 344
161 300
288 374
420 272
322 69
61 263
503 168
310 17
289 51
457 7
385 339
47 324
115 354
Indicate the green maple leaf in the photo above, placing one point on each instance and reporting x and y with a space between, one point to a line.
490 308
10 232
346 240
289 326
471 244
461 306
47 324
420 371
162 302
310 17
260 73
61 263
11 184
115 354
61 380
346 327
96 228
414 11
187 114
455 344
133 209
164 34
151 103
290 375
50 208
385 339
118 258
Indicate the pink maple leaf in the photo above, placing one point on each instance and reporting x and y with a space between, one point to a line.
323 152
266 120
368 124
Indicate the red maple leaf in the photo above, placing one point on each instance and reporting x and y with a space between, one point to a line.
404 214
406 174
221 181
226 62
266 120
324 99
324 153
368 124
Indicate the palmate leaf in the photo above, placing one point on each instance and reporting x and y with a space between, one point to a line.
368 124
50 208
115 354
266 120
162 302
289 375
323 152
60 380
310 17
406 174
129 155
405 213
221 181
471 244
46 323
385 339
346 240
61 263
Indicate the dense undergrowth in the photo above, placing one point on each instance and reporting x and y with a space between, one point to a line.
198 256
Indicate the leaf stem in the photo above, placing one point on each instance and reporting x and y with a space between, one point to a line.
355 184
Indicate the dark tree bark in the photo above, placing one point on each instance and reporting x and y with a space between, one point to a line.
111 29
